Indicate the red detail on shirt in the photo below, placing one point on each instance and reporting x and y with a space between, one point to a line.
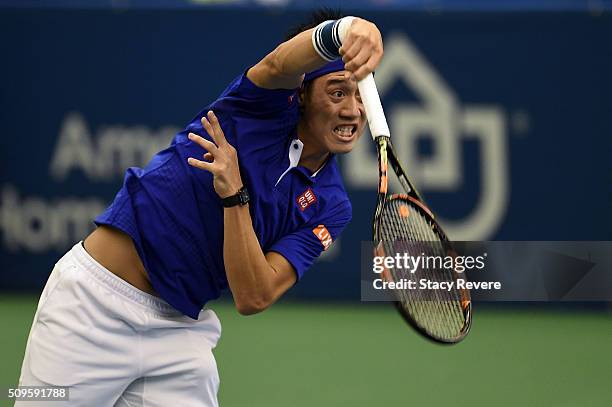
306 199
323 234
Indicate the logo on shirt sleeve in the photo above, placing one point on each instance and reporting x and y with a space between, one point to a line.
306 199
322 233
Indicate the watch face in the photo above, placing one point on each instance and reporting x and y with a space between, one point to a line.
244 196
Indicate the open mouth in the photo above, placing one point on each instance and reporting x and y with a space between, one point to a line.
345 131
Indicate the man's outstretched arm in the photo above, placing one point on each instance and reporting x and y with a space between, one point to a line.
284 67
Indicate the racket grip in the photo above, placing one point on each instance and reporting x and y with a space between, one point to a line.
369 93
373 107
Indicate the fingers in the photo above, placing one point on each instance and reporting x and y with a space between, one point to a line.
203 165
213 128
356 61
350 49
365 69
362 49
202 142
219 155
363 64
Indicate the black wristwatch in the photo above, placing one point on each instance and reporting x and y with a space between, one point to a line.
241 198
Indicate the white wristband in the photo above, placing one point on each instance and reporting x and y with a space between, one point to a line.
343 27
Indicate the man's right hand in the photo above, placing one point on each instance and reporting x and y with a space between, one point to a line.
284 68
362 48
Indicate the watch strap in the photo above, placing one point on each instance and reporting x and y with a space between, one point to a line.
240 198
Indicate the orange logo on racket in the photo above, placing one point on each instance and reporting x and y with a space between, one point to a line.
404 211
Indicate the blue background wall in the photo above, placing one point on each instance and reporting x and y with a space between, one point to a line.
522 99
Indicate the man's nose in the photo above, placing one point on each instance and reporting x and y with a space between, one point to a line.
351 108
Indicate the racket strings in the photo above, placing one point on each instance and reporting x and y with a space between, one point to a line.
429 307
427 235
443 306
405 230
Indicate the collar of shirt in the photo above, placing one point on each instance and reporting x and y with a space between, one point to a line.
295 153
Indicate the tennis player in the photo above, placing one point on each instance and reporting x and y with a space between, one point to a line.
245 198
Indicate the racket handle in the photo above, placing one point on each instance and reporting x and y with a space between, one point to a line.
373 107
369 93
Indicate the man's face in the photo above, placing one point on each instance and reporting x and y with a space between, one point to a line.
333 116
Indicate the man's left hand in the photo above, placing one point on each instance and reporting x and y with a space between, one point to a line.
221 158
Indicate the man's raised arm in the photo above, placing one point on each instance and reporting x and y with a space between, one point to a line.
284 67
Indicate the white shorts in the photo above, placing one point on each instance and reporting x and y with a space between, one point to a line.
114 345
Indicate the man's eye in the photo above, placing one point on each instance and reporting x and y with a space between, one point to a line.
337 93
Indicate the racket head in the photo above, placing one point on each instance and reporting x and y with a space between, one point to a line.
404 225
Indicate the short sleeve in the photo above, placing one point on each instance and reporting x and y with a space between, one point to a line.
245 110
244 97
302 247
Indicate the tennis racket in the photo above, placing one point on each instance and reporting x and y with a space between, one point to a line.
403 224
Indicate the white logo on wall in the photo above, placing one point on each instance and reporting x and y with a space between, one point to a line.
38 223
447 122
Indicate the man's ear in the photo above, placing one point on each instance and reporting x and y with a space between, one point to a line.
302 95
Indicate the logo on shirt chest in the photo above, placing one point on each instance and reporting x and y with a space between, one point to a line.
306 199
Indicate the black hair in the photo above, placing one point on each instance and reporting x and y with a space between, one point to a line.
316 17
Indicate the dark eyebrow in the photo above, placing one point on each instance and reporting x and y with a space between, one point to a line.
343 82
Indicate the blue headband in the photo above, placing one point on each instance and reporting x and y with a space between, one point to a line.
333 66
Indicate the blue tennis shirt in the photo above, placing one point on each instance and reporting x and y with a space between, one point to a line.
175 217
